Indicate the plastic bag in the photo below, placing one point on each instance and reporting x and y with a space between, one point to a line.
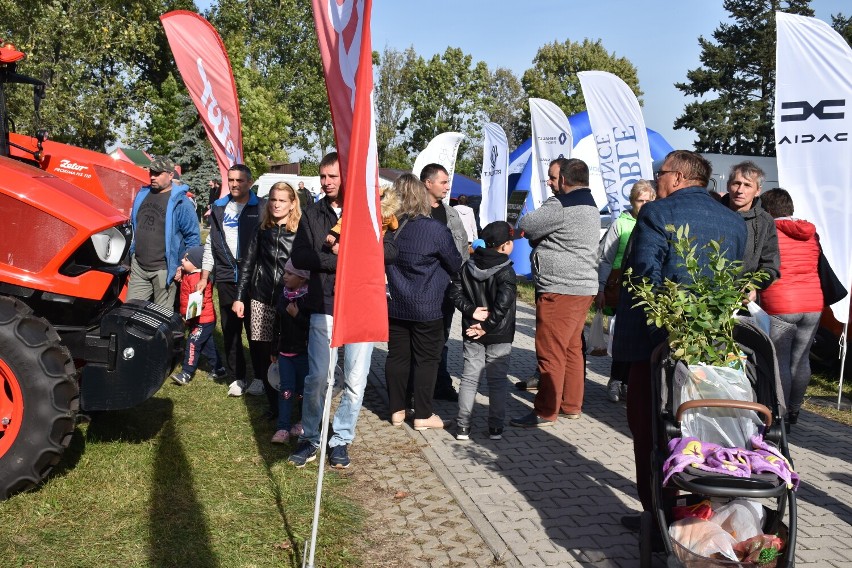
610 336
741 518
728 427
597 341
703 538
761 318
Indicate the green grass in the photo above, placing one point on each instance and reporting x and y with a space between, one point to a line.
823 386
526 291
186 479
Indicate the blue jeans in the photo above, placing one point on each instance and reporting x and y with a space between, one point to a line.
490 362
321 358
200 342
291 373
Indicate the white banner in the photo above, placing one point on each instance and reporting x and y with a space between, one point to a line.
442 149
620 137
813 122
551 139
495 175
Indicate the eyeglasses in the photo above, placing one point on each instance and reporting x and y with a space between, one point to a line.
660 173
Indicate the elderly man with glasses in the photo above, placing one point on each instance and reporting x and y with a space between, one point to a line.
682 199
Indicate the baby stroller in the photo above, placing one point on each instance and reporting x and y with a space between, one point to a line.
692 485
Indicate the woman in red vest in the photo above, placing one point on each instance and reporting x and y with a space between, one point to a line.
795 300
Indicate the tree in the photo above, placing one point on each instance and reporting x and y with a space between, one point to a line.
98 60
739 68
192 151
554 73
392 78
843 26
504 104
445 96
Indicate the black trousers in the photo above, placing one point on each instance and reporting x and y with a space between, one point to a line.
444 381
414 351
232 331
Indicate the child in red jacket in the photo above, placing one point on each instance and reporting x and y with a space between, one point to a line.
200 340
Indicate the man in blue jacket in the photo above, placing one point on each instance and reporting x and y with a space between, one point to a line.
682 199
234 220
164 227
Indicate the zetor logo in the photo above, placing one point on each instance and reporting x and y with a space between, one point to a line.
73 166
818 110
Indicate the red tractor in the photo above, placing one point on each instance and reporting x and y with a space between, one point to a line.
67 341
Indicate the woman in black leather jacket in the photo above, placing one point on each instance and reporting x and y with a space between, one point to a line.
261 281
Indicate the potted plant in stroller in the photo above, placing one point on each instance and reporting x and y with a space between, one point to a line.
715 398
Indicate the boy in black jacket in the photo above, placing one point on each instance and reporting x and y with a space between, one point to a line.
485 290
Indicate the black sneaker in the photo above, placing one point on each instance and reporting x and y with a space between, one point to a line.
182 378
219 374
531 384
304 454
531 420
495 433
339 457
462 433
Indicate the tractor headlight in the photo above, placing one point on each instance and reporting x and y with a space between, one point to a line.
109 245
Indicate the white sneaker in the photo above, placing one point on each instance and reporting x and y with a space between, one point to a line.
236 388
256 388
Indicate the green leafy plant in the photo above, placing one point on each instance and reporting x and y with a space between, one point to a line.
697 311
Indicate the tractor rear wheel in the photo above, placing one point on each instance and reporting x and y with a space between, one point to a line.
39 398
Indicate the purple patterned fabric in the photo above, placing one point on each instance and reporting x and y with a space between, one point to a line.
737 462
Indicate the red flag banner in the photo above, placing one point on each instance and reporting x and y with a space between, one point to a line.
206 71
360 304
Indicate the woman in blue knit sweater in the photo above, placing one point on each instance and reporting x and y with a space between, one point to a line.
426 260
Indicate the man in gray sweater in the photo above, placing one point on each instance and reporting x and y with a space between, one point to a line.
564 235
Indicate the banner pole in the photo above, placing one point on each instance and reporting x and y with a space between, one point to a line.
842 362
326 410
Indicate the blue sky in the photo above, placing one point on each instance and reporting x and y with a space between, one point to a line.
660 37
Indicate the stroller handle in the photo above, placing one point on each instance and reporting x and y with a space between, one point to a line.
725 403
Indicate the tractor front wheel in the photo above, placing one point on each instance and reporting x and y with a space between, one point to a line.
39 398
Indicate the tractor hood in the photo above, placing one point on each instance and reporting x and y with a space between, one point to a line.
109 179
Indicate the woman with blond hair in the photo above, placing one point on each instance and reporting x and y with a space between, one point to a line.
261 281
426 260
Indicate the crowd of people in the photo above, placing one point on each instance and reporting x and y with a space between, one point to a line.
273 263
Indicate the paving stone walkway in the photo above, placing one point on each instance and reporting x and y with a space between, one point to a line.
554 496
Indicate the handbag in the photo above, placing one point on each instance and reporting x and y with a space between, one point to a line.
832 288
612 288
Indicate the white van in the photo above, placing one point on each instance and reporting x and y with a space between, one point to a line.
263 183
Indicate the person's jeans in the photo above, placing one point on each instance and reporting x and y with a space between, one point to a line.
414 350
232 331
492 363
559 320
321 359
200 342
152 285
292 370
793 335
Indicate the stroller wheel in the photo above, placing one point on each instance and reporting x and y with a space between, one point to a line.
646 535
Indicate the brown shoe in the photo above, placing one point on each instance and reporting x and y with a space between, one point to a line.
398 418
570 416
433 421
